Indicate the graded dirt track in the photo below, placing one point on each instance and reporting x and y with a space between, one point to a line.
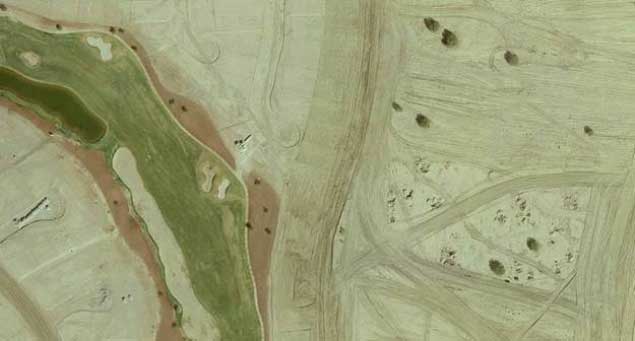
133 234
29 311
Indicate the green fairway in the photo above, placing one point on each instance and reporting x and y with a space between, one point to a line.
85 95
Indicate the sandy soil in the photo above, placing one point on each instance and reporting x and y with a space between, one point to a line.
127 225
131 230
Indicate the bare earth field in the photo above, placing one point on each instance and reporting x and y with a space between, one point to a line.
67 273
414 170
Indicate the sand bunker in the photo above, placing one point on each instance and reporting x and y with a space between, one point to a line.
222 188
102 46
208 174
30 59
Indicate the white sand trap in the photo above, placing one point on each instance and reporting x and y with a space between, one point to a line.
102 46
222 188
209 174
30 59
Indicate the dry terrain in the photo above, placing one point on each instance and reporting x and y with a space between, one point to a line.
446 170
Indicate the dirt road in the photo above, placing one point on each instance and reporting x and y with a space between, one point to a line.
333 140
30 312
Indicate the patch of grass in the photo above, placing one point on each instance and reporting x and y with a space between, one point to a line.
210 232
497 267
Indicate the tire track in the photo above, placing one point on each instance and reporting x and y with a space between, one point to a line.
335 134
438 300
459 279
426 276
467 204
30 312
606 268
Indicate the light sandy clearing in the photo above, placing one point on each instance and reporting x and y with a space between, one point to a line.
102 46
197 322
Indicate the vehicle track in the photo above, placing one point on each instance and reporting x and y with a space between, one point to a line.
265 76
464 205
392 254
605 267
459 279
432 298
29 310
479 197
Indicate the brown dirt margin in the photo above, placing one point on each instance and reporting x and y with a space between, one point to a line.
262 222
194 118
128 225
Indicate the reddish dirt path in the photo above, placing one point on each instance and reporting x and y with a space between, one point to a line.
194 118
128 226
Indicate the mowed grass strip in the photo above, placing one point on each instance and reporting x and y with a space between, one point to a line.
209 231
